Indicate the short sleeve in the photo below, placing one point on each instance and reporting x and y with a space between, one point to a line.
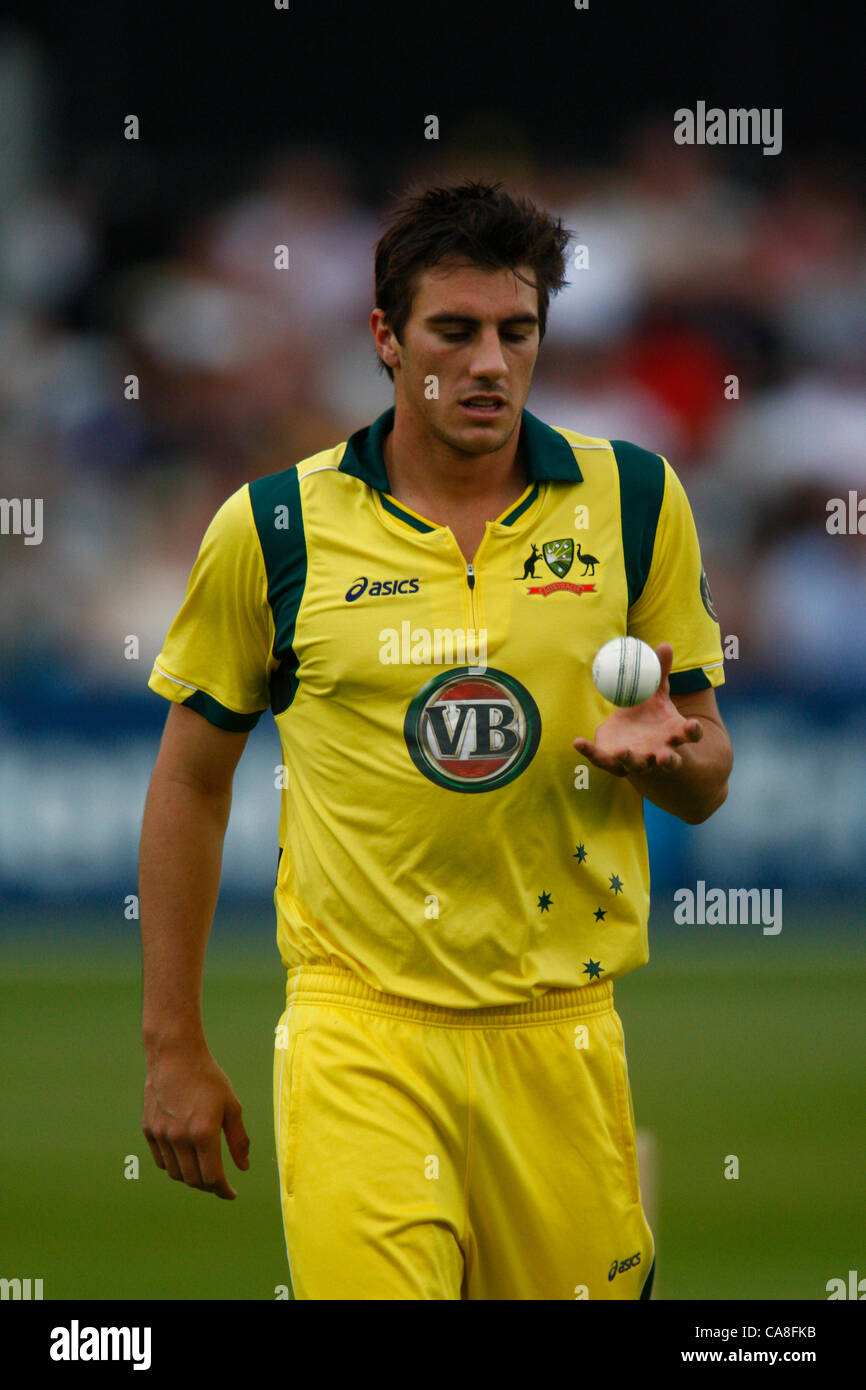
675 604
216 658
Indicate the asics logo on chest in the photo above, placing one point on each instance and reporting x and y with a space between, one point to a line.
379 588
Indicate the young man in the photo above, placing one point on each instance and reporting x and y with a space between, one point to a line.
457 888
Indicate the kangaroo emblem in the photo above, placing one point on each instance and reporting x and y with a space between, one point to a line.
529 565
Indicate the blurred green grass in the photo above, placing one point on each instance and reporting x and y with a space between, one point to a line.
737 1044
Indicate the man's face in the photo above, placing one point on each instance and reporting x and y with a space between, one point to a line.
476 332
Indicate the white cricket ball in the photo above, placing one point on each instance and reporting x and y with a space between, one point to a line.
626 671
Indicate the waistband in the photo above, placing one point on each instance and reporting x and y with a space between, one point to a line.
330 984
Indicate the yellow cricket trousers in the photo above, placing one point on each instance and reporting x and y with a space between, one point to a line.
427 1152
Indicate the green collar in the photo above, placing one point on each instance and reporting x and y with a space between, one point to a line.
548 455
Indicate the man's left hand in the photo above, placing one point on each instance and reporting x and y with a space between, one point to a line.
643 738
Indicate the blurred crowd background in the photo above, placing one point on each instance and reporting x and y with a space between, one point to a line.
694 276
721 321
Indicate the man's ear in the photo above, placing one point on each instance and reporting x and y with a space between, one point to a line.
384 340
390 355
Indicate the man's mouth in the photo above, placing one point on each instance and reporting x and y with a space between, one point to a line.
483 406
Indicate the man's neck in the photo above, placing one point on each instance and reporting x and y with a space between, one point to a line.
431 472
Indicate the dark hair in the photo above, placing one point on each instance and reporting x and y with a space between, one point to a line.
472 221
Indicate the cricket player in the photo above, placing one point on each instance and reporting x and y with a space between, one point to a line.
462 867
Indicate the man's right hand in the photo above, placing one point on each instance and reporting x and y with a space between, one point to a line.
188 1101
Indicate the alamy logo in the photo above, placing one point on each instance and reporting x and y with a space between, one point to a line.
75 1343
855 1288
21 1289
738 906
444 646
737 126
22 516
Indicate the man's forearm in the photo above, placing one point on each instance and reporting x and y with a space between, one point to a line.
695 790
179 874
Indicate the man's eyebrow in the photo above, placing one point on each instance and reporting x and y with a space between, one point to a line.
446 317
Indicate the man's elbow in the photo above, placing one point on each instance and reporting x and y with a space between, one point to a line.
708 806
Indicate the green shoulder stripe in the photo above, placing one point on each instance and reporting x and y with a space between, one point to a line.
641 489
279 520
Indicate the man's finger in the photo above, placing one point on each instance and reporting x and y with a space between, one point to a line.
169 1161
211 1163
187 1160
664 760
665 654
691 732
154 1148
597 758
634 762
236 1136
669 762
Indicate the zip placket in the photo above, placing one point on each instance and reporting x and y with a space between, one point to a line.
470 579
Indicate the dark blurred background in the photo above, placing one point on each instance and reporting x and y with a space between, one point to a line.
154 257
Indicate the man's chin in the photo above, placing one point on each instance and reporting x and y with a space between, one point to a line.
482 436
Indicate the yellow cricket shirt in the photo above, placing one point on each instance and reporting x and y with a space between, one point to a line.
437 835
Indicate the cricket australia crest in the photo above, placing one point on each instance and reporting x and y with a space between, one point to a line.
558 556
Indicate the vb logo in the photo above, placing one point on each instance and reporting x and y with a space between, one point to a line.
471 731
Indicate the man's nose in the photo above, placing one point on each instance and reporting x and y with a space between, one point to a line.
488 359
